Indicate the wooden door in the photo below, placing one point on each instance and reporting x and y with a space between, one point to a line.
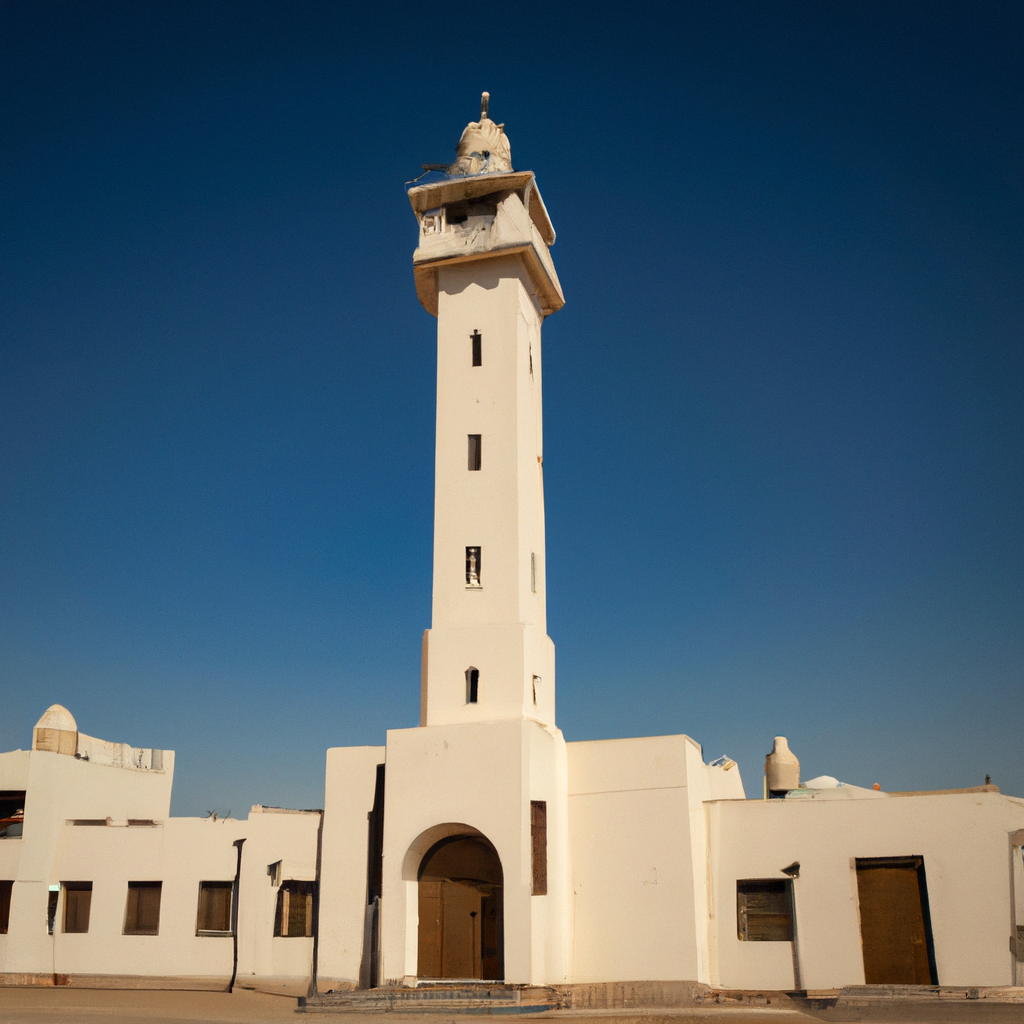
894 923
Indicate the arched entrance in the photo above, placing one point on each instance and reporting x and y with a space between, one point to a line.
461 931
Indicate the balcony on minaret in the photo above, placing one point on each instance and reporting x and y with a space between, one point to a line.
480 216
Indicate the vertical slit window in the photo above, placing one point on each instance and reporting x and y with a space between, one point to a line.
473 567
77 904
533 572
5 905
477 341
539 845
536 683
472 685
475 451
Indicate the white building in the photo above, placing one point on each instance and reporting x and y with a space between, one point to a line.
481 845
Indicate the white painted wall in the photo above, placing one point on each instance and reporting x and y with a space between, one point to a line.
637 846
351 776
481 775
179 852
963 838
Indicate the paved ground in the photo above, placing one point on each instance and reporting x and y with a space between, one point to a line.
91 1006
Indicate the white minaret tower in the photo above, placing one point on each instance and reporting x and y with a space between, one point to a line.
475 863
483 269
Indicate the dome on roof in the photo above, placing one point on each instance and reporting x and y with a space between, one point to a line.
57 716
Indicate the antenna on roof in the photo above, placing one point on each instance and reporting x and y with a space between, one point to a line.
484 100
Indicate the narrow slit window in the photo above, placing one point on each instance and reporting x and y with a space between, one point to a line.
477 339
536 684
473 567
5 905
472 685
475 451
142 911
214 912
539 844
533 572
77 904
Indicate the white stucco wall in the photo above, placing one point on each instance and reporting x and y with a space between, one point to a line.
962 837
178 852
349 790
638 867
482 775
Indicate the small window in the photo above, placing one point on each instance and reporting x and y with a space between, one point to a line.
52 897
539 845
473 567
5 905
214 916
536 684
294 917
12 813
77 904
142 912
764 910
474 451
533 572
477 341
472 685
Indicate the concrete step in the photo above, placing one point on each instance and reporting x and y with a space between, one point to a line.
447 998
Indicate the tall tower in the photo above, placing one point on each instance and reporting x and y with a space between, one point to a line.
475 860
483 269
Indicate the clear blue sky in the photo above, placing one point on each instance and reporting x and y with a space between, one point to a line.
784 421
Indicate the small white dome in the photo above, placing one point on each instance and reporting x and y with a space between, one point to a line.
57 716
823 782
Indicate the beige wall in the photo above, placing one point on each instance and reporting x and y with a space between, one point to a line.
351 777
962 837
637 846
179 852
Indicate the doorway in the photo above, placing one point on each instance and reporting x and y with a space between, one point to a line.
895 925
461 933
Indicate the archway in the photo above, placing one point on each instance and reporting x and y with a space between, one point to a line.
461 928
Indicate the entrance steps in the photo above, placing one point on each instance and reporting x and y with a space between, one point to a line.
455 997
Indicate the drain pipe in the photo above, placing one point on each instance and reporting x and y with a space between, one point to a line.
237 844
316 908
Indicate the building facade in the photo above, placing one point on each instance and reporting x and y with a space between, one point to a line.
481 846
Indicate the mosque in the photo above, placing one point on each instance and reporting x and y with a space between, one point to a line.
481 852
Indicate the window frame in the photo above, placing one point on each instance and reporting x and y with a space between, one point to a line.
769 887
215 885
77 901
283 916
137 887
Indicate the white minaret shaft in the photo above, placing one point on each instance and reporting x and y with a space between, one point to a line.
483 268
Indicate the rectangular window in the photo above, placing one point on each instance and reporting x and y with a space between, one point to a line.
77 904
142 911
12 813
472 685
477 340
473 567
214 915
533 572
5 905
474 451
536 683
294 917
764 910
539 845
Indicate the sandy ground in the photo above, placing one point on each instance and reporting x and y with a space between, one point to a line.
93 1006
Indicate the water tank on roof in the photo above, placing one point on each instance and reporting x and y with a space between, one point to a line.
56 731
781 768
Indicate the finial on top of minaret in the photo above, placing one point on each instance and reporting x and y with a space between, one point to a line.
483 148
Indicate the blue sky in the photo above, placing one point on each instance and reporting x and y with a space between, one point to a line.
783 413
